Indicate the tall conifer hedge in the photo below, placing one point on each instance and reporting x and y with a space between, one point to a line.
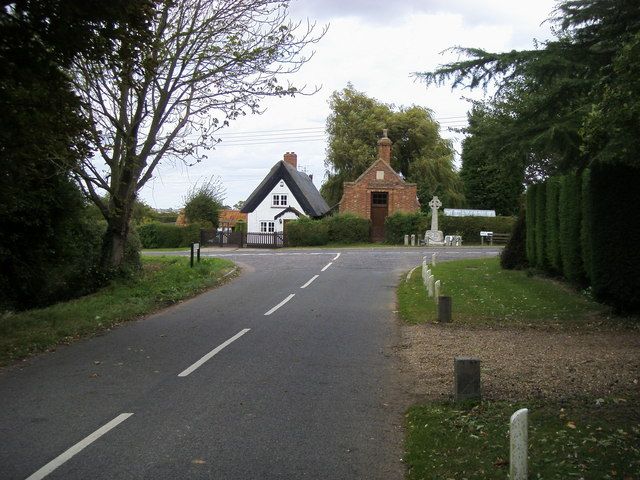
540 226
553 225
615 232
569 216
530 213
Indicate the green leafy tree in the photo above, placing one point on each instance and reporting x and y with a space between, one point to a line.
559 94
418 153
199 65
46 238
203 203
492 170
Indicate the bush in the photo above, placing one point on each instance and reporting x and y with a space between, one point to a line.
306 232
49 248
348 228
164 235
540 224
553 226
569 216
514 255
615 229
470 227
399 224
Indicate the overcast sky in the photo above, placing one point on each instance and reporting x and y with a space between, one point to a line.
375 45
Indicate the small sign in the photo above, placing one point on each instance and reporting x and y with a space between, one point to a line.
486 234
196 246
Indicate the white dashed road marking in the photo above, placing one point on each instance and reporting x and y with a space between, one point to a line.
280 304
208 356
326 266
309 282
62 458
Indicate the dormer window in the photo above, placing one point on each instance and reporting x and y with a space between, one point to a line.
279 200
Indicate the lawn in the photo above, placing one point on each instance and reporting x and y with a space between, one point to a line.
484 294
586 437
591 440
162 282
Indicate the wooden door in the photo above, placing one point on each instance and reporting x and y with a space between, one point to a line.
379 211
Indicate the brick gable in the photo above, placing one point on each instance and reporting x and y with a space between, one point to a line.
356 197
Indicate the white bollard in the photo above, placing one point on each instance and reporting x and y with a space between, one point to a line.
413 240
433 259
406 240
436 290
519 439
427 275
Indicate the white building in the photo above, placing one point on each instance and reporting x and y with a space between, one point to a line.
284 194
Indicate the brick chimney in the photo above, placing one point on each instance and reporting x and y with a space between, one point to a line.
292 159
384 148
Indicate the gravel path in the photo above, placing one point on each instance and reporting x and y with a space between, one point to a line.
517 364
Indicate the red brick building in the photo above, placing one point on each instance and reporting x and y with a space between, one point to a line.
379 192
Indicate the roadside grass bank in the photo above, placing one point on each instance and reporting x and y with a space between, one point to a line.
542 346
163 281
591 439
484 294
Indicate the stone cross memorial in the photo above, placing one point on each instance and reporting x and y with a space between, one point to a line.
433 235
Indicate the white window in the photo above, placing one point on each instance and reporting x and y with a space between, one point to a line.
267 226
279 200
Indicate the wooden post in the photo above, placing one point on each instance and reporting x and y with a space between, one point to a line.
444 309
192 255
466 381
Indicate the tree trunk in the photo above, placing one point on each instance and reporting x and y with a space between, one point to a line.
114 244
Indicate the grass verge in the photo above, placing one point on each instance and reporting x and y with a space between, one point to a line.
482 293
163 281
596 440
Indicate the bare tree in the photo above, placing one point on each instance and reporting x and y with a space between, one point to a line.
202 64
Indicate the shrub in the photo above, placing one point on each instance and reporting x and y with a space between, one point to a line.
49 247
470 227
514 255
615 230
569 216
164 235
306 232
540 224
348 228
552 225
399 224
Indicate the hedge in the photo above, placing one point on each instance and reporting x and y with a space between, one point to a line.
530 213
165 235
306 232
615 230
348 228
540 224
470 227
552 251
399 224
569 216
585 225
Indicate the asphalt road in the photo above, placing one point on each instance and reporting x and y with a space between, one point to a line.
285 372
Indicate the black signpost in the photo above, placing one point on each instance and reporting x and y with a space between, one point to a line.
195 249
